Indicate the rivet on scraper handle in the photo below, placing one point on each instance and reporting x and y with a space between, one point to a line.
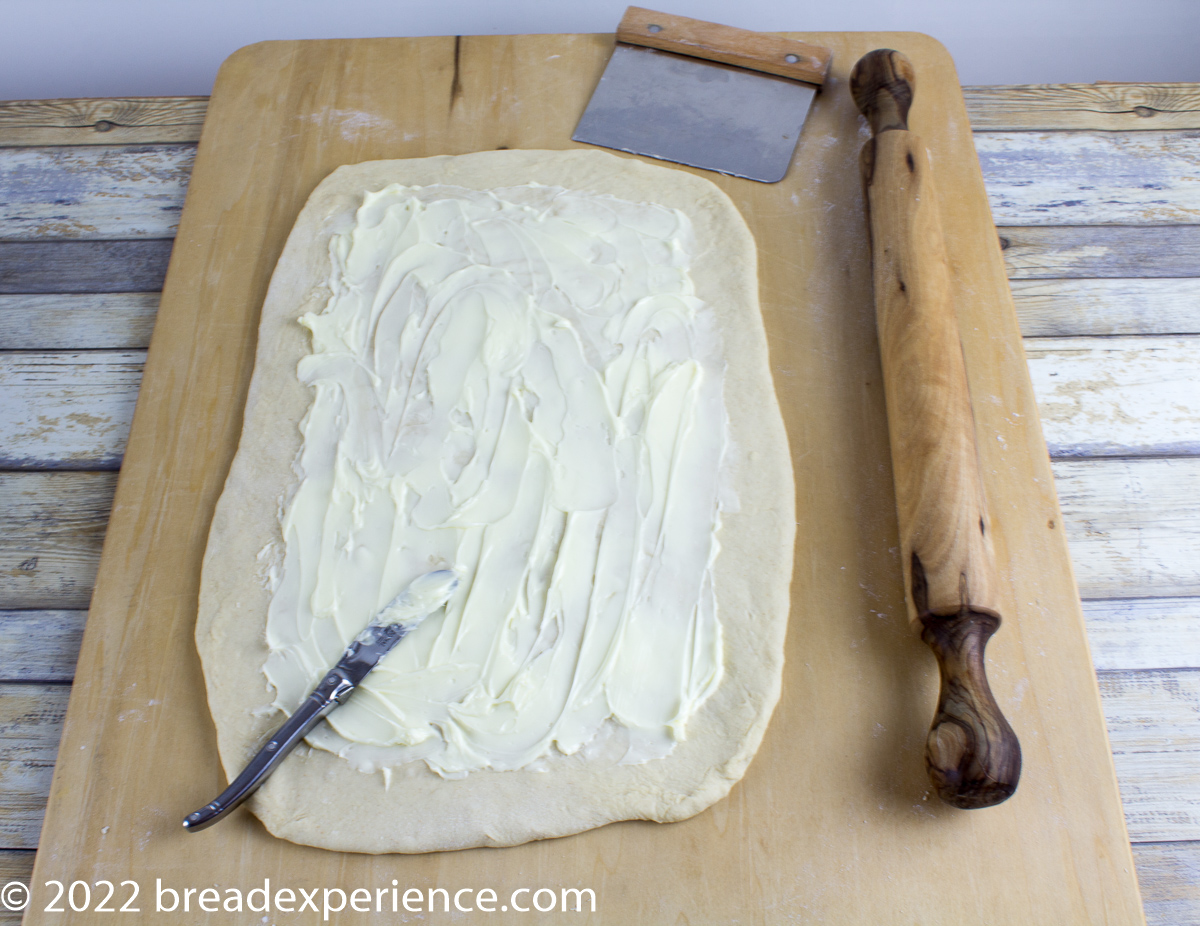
972 753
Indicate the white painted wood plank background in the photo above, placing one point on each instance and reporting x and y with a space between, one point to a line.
1168 873
67 409
93 191
1133 525
1091 178
67 321
1143 633
1066 308
53 529
1117 396
1049 252
40 646
1154 729
31 719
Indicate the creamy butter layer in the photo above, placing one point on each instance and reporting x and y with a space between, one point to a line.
522 385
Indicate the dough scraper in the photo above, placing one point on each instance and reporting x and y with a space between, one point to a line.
709 96
393 623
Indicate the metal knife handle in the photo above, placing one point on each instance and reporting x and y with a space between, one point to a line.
972 753
333 690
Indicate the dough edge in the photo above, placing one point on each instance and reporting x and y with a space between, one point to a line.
318 799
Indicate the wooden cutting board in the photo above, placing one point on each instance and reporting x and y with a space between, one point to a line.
835 821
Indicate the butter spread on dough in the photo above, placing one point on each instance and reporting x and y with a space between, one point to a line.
521 384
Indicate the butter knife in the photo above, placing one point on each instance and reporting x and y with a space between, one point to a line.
401 616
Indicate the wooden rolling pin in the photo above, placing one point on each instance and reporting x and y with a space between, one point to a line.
972 753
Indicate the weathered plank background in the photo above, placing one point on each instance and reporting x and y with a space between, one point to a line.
1095 190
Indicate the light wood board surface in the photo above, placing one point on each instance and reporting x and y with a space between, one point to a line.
834 821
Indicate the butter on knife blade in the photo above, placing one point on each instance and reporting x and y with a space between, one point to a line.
393 623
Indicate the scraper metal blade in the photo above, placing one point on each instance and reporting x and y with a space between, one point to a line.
710 114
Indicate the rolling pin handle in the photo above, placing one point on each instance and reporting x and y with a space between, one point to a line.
882 86
972 755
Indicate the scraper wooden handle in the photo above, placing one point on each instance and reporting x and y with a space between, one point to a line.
972 753
758 51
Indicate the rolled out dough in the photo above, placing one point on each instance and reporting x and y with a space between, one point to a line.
319 799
